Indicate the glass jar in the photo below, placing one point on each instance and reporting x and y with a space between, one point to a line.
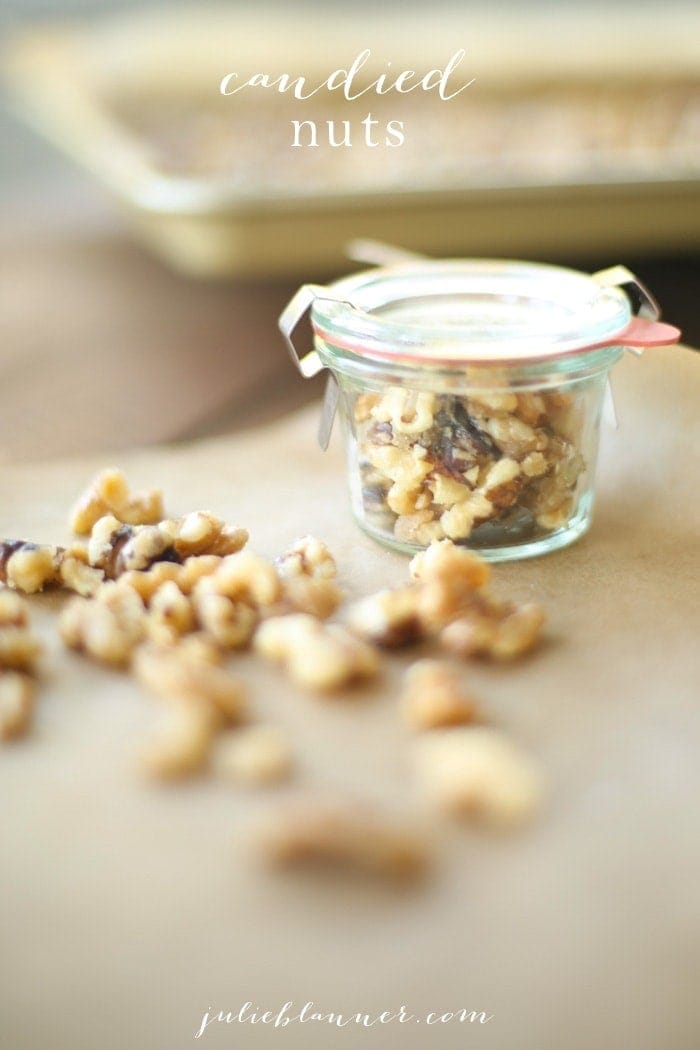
471 395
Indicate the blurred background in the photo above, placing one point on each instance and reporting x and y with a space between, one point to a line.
151 230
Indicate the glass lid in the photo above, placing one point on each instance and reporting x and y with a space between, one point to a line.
477 310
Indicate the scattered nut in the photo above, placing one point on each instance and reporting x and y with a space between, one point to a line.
434 697
16 704
317 656
13 609
244 577
230 623
74 574
203 533
254 755
388 618
107 628
344 835
499 630
109 493
478 772
28 567
307 557
189 676
316 595
170 613
446 563
181 749
19 649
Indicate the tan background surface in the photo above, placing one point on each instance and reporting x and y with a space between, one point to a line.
127 910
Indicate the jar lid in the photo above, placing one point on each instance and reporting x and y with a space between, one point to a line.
469 311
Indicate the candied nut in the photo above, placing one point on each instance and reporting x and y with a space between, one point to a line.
459 520
420 528
19 649
183 744
514 437
492 403
13 609
231 623
199 646
188 676
555 519
109 494
16 704
170 612
318 656
531 408
194 569
147 582
500 630
230 540
388 618
203 533
433 696
448 491
106 628
116 548
446 563
244 577
477 772
75 575
254 755
364 403
314 595
408 411
405 467
534 465
343 835
28 567
196 532
307 557
501 486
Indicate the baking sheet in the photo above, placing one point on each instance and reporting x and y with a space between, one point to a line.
485 189
128 910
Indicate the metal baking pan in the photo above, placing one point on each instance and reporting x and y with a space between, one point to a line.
564 144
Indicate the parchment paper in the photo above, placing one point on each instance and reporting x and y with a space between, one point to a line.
127 910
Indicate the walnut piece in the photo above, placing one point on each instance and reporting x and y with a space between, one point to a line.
117 548
19 649
109 493
75 574
446 563
317 656
16 704
477 772
28 567
170 614
389 618
345 835
433 696
187 675
498 630
13 609
182 746
316 595
244 577
253 755
230 623
107 628
307 557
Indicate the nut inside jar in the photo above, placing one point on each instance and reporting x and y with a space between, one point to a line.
488 469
